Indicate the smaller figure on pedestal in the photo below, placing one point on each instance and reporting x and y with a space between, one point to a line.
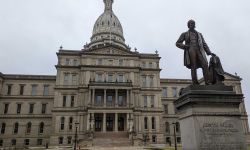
216 70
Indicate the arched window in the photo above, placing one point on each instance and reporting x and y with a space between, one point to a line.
3 128
145 123
28 127
62 123
16 125
153 122
70 123
41 127
177 127
167 127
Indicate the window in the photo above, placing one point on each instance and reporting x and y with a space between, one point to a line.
33 90
69 140
145 123
6 108
99 77
18 109
110 62
31 109
26 141
151 81
164 92
64 101
168 141
41 128
74 79
143 64
152 101
39 141
66 78
109 100
150 65
46 90
9 87
153 122
3 128
13 142
16 125
44 108
167 127
60 140
177 127
62 123
1 142
28 128
120 78
145 101
75 62
67 61
144 84
70 123
72 102
21 89
120 101
166 109
120 62
154 139
110 78
99 61
98 101
179 140
174 91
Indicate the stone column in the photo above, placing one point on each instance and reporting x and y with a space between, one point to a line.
128 122
127 99
105 98
116 97
88 121
93 97
132 98
104 123
89 102
116 122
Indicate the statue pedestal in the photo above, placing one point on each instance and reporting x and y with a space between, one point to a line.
210 118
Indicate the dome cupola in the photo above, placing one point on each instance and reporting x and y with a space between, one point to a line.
107 29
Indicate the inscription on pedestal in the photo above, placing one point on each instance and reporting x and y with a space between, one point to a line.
220 136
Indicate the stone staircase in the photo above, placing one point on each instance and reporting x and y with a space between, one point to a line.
111 139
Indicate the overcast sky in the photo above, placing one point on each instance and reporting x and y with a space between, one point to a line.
31 32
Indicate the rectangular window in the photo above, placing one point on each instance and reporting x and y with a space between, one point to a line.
152 101
99 61
1 142
166 109
67 61
18 109
145 123
3 128
69 140
74 79
9 87
154 139
120 62
144 83
66 78
120 101
98 77
75 62
64 101
39 141
150 65
6 108
110 62
98 101
46 90
13 142
110 101
145 101
21 89
120 78
33 90
164 92
44 108
72 102
31 109
143 65
60 140
110 78
174 91
27 142
151 81
153 122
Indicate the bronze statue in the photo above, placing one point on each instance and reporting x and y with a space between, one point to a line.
194 48
216 70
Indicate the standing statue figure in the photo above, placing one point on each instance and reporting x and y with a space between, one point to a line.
194 48
216 70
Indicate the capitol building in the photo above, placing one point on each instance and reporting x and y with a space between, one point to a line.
107 92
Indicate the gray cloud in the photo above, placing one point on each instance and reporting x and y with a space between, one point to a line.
31 32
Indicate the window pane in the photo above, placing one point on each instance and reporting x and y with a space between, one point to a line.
21 89
19 106
6 108
46 90
33 90
31 110
164 92
145 101
44 108
9 89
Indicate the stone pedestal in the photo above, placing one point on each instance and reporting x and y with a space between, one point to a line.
210 118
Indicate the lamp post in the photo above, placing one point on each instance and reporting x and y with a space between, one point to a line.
76 124
175 142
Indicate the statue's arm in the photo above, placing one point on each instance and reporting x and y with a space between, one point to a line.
206 48
180 41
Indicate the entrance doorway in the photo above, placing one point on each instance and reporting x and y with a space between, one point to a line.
110 123
121 123
98 123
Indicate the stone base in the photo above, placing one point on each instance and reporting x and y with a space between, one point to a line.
210 118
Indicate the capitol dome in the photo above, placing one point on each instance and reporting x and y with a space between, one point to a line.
107 28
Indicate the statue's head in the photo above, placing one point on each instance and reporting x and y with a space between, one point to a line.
191 24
